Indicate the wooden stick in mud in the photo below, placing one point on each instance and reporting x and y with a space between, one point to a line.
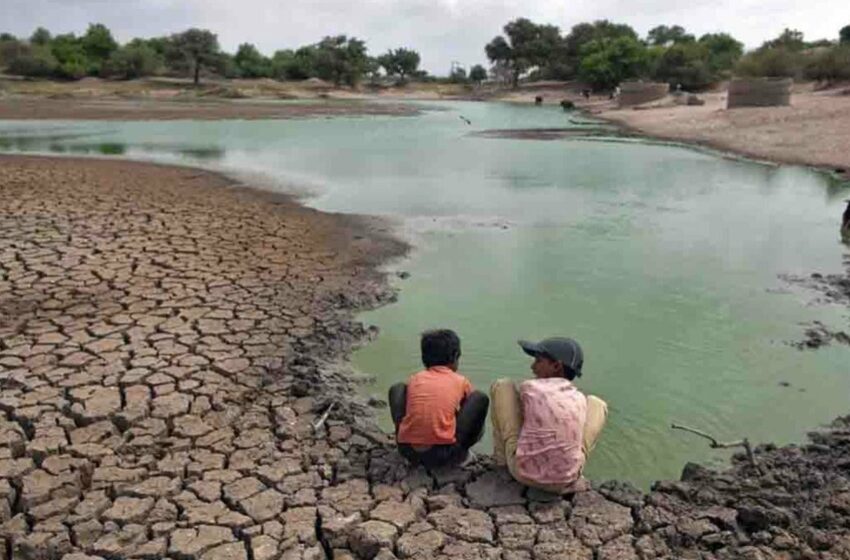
324 417
745 443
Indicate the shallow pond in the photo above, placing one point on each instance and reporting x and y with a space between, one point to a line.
662 261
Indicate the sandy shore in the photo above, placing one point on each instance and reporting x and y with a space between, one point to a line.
814 130
170 344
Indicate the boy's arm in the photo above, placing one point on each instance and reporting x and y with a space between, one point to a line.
467 387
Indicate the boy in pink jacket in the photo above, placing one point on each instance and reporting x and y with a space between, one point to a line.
544 431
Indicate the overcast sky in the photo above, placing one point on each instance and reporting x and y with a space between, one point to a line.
441 30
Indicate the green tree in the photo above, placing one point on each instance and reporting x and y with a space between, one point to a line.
663 35
10 49
400 62
684 64
252 64
524 45
829 64
35 61
779 57
583 34
341 59
844 35
72 61
193 50
535 43
558 65
477 74
297 65
607 62
98 45
770 62
134 60
41 36
501 55
160 45
724 51
225 65
280 62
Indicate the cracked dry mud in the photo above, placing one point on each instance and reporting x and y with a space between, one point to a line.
167 343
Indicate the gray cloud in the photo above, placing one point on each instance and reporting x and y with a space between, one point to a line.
441 30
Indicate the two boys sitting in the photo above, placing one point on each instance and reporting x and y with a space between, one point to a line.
542 432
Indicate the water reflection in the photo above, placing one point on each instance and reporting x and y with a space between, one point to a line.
67 144
211 153
112 148
35 141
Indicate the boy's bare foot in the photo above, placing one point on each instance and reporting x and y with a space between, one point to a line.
582 485
470 458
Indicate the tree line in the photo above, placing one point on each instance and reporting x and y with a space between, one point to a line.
339 59
603 54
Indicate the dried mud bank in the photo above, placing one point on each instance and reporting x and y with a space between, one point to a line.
169 345
811 132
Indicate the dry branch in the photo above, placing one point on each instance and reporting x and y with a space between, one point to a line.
320 422
745 443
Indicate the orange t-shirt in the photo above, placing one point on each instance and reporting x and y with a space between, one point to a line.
433 399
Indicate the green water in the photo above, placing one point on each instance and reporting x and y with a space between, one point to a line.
662 261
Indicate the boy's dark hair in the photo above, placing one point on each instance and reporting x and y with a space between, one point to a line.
440 347
570 373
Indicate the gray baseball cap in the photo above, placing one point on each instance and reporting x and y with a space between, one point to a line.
565 350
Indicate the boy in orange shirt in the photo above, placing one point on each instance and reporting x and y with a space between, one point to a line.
437 414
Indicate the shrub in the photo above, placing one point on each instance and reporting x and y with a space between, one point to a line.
250 63
770 62
684 64
606 63
829 64
34 62
11 49
132 61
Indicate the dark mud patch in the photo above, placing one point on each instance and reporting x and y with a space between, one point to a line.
832 289
547 133
818 334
